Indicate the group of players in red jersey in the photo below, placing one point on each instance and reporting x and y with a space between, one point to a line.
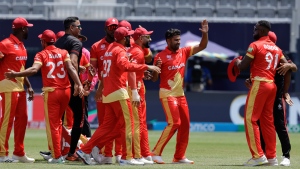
120 95
119 59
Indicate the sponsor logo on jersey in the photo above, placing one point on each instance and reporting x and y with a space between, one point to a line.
21 58
102 47
169 57
176 66
16 46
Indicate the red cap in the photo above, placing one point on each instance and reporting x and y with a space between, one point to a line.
125 24
139 32
232 70
272 36
48 36
20 22
111 21
60 34
121 32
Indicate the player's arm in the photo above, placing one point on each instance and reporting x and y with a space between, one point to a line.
204 40
147 55
155 75
28 72
287 81
73 73
74 54
244 63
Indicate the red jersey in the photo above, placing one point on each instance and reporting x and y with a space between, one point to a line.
137 56
172 71
54 73
15 56
97 52
266 57
115 66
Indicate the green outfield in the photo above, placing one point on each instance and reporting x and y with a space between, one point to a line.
208 150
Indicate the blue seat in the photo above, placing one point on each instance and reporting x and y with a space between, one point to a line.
247 3
146 2
225 11
185 11
204 11
284 12
122 11
143 10
247 12
266 12
4 8
186 3
268 3
20 9
163 11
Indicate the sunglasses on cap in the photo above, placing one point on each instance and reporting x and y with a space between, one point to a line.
112 27
78 26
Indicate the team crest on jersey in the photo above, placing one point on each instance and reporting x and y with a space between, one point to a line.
169 57
102 47
16 46
101 57
250 49
128 54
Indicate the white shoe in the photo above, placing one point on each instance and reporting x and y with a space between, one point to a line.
273 162
6 159
118 159
130 162
46 155
256 162
59 160
182 161
144 160
86 158
158 159
106 160
285 161
95 154
149 158
23 159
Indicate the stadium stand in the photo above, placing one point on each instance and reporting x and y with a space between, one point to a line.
167 10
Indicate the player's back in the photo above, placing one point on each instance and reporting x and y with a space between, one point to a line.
266 57
54 73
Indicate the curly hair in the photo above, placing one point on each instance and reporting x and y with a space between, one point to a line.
265 24
172 32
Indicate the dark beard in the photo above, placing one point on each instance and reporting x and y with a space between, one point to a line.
256 37
146 45
127 42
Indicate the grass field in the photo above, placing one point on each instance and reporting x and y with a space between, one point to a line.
208 150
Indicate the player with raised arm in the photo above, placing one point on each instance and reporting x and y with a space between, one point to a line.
172 61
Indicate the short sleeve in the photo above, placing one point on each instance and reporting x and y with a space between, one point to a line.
76 47
38 58
3 49
93 53
84 61
251 51
66 56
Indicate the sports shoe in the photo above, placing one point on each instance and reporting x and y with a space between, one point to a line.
106 160
95 154
23 159
256 162
182 161
149 158
118 159
59 160
86 158
72 157
130 162
273 162
144 160
158 159
285 161
46 155
7 159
